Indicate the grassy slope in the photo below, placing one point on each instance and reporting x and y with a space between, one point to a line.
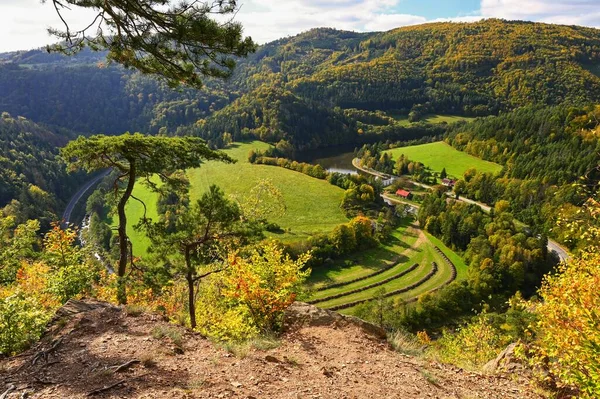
440 155
461 266
135 211
312 204
364 262
425 255
431 118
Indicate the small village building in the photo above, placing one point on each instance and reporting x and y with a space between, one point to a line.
403 194
448 182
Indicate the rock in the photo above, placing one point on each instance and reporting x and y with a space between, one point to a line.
73 307
327 373
304 314
178 350
505 361
272 359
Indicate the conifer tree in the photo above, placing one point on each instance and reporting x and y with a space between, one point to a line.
133 156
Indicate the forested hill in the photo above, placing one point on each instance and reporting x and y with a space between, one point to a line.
470 69
475 68
33 183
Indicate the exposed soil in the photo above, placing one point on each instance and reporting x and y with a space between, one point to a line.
322 355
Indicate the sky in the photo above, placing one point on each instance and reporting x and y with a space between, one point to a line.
24 23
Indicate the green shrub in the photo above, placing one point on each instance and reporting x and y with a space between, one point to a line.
22 321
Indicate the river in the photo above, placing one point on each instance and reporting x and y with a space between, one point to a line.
335 159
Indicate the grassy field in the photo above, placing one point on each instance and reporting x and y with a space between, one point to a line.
431 118
461 266
440 155
365 262
424 255
312 204
407 246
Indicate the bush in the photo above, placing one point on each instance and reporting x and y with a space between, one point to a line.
568 340
249 298
472 345
22 321
71 281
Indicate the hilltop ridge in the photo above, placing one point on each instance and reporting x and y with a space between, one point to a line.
474 69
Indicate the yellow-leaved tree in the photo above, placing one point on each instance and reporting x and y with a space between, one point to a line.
266 283
252 294
568 330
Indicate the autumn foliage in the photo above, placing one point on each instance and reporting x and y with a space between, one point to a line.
265 283
568 335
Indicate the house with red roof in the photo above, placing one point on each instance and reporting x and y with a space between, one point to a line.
403 193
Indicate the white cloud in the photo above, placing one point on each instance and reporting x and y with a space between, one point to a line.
383 22
23 23
571 12
266 20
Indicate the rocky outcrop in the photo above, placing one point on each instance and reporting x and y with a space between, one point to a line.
506 361
302 314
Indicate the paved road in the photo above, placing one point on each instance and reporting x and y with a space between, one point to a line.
66 217
553 246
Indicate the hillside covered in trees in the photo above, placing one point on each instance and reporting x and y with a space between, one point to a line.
33 182
290 88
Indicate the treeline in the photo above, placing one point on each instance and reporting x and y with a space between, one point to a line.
472 69
271 114
374 157
323 87
556 144
362 194
34 183
357 235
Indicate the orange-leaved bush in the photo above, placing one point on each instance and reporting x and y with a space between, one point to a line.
265 283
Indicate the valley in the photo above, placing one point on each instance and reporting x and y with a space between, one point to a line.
436 184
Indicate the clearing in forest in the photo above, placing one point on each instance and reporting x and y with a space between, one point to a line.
441 155
430 118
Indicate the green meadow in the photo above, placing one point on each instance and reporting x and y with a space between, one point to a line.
440 155
407 245
430 118
312 205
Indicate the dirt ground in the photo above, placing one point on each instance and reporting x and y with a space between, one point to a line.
102 352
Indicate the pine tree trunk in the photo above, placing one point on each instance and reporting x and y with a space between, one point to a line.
123 239
190 280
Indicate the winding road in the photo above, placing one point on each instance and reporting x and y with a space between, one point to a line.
553 246
66 217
